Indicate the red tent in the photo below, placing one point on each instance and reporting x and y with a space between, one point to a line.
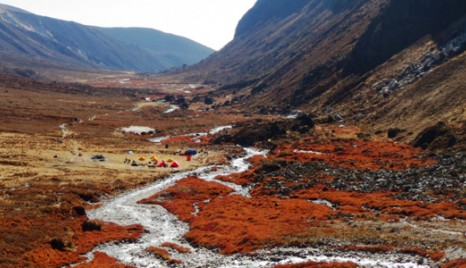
161 163
175 164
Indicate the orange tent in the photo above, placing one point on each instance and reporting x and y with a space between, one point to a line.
154 159
142 158
175 164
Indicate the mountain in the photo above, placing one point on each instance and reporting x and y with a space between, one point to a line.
35 38
384 63
171 50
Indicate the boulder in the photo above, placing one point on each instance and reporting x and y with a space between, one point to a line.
62 244
92 225
435 137
79 211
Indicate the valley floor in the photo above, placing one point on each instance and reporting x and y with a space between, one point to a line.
333 188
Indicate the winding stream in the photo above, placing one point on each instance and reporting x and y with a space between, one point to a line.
161 226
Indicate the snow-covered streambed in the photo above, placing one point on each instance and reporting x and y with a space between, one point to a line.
161 226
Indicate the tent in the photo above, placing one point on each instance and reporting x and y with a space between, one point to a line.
154 159
175 165
142 158
170 160
161 163
190 152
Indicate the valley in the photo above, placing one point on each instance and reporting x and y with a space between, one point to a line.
327 189
325 134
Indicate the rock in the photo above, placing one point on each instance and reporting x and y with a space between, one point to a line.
61 244
79 211
208 100
249 135
393 132
98 157
435 137
92 225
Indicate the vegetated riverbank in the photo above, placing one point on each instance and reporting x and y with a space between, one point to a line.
330 199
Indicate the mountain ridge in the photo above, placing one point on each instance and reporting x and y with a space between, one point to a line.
73 44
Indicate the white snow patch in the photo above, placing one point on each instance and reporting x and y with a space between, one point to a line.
324 202
171 109
219 129
294 114
137 129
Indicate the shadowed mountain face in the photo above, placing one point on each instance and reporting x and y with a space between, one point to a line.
364 59
29 36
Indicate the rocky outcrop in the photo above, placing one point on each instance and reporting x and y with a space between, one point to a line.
435 137
264 131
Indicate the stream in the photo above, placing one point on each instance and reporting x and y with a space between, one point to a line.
161 226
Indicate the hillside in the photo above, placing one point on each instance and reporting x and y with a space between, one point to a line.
387 63
171 50
33 39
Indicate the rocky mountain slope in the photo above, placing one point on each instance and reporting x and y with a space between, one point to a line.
33 38
387 63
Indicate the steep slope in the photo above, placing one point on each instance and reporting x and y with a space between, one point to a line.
38 38
360 59
171 50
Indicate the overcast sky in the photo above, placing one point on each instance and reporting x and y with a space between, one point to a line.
209 22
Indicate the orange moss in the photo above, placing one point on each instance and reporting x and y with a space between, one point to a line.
46 256
458 263
238 224
354 154
370 249
176 247
182 198
162 254
433 255
358 203
102 260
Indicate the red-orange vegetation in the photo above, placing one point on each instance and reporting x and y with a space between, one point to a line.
163 254
239 224
371 249
176 247
244 177
458 263
102 260
319 265
82 242
182 198
353 154
358 203
433 255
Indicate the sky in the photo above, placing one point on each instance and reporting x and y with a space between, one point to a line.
209 22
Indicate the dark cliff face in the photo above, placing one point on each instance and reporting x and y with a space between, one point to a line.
400 24
265 11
